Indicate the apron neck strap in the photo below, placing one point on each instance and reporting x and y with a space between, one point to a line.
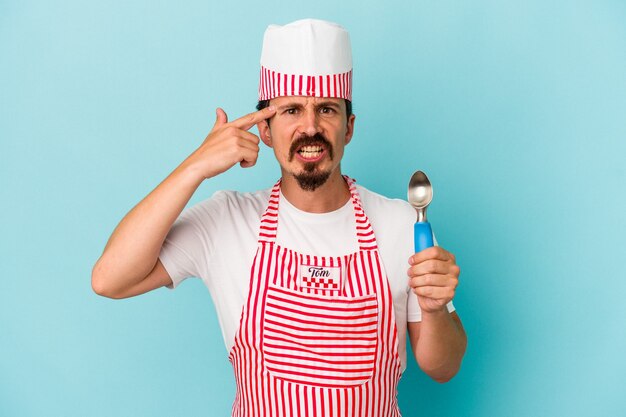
364 231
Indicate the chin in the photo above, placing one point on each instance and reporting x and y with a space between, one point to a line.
310 180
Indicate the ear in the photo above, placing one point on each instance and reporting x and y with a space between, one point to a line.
264 132
350 128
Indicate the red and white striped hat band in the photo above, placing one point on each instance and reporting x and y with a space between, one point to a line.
274 84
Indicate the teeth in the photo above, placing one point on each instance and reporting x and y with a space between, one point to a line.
310 151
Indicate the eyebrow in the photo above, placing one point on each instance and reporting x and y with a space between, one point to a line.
290 105
327 104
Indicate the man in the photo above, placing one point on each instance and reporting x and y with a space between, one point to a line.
309 278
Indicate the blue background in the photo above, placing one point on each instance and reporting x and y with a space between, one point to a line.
516 110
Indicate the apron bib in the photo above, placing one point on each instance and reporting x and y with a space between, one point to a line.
317 335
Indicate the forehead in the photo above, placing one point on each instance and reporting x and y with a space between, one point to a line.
305 100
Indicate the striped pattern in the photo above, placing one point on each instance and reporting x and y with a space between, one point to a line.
275 84
316 352
319 341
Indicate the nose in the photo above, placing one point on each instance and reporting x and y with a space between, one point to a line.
310 123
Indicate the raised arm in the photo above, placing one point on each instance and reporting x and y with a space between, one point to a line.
129 265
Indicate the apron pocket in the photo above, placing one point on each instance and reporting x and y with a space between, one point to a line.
319 340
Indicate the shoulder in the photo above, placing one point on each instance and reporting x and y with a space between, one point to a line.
392 220
229 200
224 205
235 200
390 211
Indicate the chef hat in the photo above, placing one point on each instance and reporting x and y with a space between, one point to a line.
306 58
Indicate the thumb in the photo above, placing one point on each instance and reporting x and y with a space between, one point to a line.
221 117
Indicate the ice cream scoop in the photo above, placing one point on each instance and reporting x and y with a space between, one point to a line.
420 195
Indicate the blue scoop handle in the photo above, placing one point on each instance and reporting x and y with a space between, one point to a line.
423 236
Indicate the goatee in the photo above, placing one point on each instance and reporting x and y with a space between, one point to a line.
311 179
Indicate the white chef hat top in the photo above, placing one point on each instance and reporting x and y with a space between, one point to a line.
307 57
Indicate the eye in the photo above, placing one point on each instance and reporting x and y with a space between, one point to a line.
291 110
327 110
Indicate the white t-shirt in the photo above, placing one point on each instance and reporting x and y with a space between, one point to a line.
216 240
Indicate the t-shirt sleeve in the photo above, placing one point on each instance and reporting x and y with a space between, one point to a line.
186 250
413 308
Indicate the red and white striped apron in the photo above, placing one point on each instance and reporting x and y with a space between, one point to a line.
317 335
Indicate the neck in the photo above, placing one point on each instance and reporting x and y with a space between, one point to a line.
330 196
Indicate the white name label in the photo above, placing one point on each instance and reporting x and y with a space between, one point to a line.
320 277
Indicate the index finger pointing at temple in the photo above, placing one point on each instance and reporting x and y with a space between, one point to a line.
246 122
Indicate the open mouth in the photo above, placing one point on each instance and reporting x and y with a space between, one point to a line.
310 148
310 152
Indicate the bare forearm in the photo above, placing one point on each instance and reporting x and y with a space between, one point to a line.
441 345
134 246
438 341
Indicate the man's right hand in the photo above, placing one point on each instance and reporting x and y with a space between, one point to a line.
227 144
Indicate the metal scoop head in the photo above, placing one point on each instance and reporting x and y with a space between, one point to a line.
420 194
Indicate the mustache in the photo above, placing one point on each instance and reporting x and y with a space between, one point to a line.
307 140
